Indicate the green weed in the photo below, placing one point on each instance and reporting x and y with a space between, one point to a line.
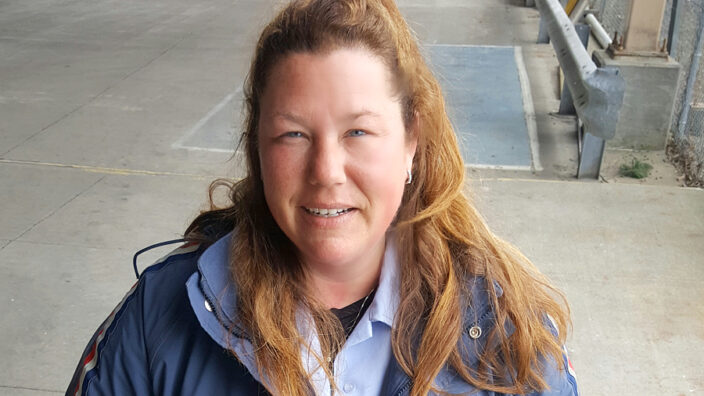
636 169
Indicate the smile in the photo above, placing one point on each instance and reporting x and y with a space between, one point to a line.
327 212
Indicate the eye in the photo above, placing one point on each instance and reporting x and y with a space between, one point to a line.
356 132
293 134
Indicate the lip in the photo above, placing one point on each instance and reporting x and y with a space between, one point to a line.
328 205
328 212
328 222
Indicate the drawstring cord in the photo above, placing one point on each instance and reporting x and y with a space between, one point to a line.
156 245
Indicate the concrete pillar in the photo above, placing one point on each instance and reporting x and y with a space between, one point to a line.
645 20
648 102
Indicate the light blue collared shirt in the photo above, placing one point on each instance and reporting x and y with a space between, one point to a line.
360 366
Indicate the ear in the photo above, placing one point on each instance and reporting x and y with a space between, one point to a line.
412 140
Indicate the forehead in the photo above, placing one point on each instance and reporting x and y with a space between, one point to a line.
346 76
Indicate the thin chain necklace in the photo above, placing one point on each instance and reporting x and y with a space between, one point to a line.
356 318
361 308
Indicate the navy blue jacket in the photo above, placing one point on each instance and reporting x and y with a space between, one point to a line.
170 336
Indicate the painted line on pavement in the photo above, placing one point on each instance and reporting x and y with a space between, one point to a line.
528 109
180 143
107 171
499 167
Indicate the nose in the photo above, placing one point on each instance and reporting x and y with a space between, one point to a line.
327 163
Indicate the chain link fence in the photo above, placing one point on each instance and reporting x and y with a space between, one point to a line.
613 15
686 149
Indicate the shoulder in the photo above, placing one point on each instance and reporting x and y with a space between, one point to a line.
119 342
162 288
160 293
178 264
152 342
166 278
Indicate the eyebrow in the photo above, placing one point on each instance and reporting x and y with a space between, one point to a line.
288 116
364 113
300 120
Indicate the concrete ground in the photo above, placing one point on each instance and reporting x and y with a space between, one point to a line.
98 97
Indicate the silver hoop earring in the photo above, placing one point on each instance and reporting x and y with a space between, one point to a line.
409 179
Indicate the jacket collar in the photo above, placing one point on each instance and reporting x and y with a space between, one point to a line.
212 294
213 299
216 279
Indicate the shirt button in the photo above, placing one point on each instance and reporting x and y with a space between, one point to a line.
348 388
475 332
208 307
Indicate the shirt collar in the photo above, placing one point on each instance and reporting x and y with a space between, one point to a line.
214 268
386 299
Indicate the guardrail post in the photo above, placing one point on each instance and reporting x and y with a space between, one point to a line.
605 86
590 155
543 37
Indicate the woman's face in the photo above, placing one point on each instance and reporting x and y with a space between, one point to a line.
334 153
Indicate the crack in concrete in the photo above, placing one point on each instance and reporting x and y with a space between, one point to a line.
59 208
31 388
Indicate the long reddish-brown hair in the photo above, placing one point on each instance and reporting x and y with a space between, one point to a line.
442 241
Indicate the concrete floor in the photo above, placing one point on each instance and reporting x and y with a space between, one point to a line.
98 100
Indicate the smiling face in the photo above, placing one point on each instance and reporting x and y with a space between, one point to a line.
334 153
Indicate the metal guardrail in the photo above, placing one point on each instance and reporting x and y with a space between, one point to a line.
597 92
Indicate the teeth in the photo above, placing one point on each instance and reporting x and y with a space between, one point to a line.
327 212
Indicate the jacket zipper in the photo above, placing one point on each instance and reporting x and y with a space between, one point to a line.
404 389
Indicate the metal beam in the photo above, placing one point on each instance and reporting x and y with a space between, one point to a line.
673 33
644 23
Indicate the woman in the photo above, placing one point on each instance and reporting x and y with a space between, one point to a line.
349 261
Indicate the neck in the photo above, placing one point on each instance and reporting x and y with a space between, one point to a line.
338 286
338 295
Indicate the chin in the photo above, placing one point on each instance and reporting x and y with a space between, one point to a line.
333 254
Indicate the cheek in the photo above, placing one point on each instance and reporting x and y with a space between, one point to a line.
278 169
387 167
383 174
